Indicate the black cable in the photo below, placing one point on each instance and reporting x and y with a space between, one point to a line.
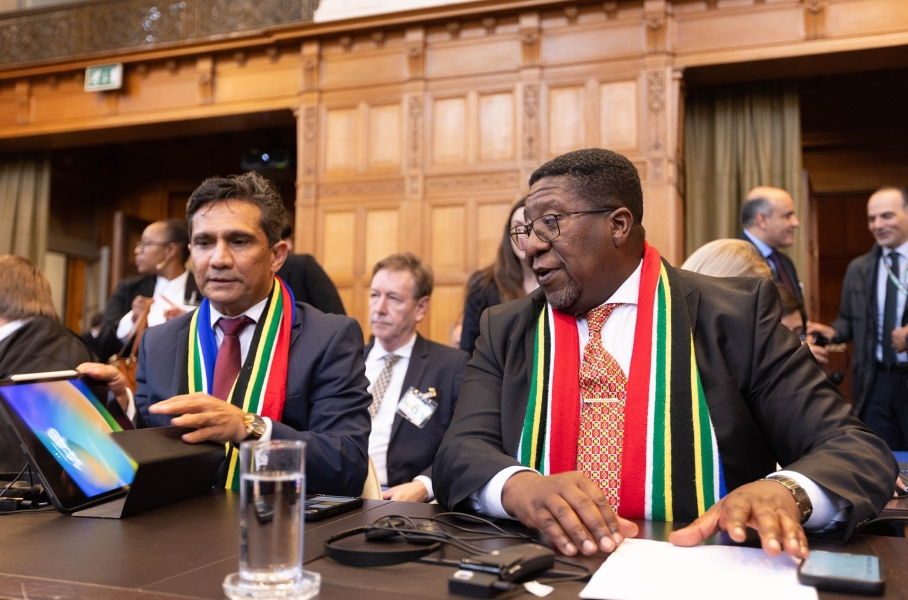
15 479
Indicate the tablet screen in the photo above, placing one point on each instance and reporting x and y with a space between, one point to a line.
68 433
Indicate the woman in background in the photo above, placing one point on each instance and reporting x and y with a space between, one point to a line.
508 278
32 340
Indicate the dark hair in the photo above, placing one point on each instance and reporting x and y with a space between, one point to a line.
902 190
405 261
790 302
287 229
601 177
506 272
248 187
753 207
177 234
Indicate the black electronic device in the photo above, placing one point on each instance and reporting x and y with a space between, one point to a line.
513 563
320 506
841 572
820 340
88 465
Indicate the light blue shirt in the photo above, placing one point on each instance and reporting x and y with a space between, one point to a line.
881 278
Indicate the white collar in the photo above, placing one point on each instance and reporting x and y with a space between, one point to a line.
254 312
11 328
404 351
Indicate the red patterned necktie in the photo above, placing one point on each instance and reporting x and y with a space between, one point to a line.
227 366
603 388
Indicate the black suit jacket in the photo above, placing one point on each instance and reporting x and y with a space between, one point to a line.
327 404
309 283
786 264
120 303
858 320
42 344
411 449
768 399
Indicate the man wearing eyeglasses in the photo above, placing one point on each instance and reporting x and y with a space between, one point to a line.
160 259
626 389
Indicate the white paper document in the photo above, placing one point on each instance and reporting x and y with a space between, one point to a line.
648 570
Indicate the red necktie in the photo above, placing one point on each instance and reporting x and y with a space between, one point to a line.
603 389
227 366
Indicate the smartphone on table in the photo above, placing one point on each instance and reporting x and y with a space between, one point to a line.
841 572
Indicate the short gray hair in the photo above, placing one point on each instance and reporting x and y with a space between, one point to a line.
753 207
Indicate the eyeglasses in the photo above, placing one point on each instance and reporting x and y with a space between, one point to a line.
141 245
546 227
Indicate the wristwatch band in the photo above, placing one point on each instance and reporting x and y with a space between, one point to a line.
255 426
799 494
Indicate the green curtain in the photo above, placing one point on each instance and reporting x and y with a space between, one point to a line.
737 137
24 202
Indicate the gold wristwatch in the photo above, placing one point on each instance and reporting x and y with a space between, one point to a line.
800 495
255 426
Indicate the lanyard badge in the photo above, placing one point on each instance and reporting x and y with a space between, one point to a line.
417 407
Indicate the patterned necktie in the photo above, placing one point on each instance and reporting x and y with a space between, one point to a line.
381 384
781 274
889 309
603 388
227 366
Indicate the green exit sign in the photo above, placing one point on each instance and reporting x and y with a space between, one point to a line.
104 77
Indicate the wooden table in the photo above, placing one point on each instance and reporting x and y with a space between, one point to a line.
187 548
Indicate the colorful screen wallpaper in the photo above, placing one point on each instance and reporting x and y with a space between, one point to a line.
75 428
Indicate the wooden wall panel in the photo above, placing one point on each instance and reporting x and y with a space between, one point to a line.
382 237
490 222
618 115
384 135
8 108
73 103
447 304
340 139
337 250
496 126
256 79
157 89
573 44
447 238
449 129
567 127
855 17
356 69
472 58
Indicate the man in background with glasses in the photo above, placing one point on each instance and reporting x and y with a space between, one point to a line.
161 261
626 386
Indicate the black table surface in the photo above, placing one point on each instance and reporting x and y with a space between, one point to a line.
187 548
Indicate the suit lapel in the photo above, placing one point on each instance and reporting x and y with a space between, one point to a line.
870 278
419 358
693 306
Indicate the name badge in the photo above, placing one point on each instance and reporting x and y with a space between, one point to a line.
417 407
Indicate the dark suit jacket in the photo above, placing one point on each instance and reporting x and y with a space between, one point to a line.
411 449
786 264
768 399
481 295
309 283
42 344
327 403
857 320
120 303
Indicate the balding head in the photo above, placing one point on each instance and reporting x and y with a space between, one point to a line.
768 214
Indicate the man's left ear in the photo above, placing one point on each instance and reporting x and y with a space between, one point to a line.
622 222
279 253
422 307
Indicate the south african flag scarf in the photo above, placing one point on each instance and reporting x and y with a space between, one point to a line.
261 386
670 470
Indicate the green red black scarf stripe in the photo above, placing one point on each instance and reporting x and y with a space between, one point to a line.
671 468
261 386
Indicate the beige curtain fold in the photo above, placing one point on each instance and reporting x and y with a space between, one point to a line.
736 138
24 202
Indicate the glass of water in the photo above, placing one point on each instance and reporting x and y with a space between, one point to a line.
272 501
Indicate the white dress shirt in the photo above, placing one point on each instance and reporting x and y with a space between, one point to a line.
11 328
173 290
828 508
382 424
882 276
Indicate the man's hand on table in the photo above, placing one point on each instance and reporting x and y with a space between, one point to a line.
412 491
765 506
569 508
212 418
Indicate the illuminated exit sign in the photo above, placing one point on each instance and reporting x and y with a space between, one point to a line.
104 77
